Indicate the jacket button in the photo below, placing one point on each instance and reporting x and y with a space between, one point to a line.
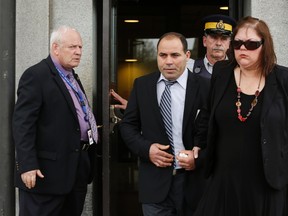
264 141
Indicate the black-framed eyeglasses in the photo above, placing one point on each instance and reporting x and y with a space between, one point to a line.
250 45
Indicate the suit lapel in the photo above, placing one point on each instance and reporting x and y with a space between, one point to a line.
152 94
269 94
79 82
61 86
190 97
220 84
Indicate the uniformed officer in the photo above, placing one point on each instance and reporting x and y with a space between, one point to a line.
216 39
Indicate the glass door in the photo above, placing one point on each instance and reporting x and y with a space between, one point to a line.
138 25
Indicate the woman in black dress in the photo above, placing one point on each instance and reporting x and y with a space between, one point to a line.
247 149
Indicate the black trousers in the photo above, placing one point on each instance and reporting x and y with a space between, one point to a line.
173 204
71 204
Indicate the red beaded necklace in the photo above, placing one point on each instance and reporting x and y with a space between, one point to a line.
253 103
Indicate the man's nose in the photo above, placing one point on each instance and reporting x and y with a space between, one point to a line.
218 40
78 50
169 60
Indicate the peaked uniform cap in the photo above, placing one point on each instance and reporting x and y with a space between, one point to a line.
219 24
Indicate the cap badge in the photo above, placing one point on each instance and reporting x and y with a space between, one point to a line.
220 25
197 69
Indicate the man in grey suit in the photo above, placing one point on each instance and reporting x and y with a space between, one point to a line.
167 156
54 132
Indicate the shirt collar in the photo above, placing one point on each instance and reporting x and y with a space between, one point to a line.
206 62
182 80
59 66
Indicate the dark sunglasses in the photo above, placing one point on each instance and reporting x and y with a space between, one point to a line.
250 45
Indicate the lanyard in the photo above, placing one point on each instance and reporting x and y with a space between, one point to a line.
78 93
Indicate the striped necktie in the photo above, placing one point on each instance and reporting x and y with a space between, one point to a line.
165 109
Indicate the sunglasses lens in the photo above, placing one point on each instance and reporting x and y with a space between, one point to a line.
249 45
236 44
252 45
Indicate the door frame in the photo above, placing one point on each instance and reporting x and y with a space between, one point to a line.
105 20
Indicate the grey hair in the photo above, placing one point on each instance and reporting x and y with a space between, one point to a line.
56 35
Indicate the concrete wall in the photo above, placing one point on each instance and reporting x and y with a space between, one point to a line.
274 13
34 22
78 14
32 33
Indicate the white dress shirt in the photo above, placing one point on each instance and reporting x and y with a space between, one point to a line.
178 92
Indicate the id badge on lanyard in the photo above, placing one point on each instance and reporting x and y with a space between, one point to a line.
90 138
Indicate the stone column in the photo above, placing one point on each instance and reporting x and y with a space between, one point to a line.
274 13
35 20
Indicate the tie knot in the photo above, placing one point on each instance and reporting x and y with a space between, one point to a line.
70 76
72 80
169 82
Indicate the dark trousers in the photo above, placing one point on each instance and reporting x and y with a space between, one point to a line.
71 204
173 204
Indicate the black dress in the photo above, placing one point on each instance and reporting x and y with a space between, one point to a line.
238 186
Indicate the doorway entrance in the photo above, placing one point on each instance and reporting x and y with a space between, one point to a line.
138 25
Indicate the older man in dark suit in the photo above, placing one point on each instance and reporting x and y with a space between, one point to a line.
164 140
53 130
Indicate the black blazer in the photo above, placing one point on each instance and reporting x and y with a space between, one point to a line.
274 121
46 130
142 125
